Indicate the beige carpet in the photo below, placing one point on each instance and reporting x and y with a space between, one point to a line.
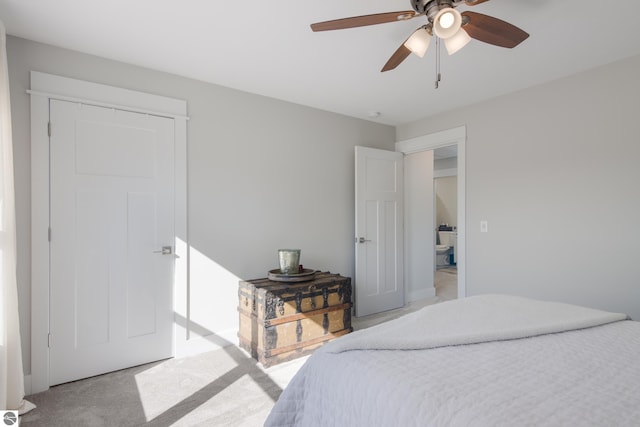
446 283
220 388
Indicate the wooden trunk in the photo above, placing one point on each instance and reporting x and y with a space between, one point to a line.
280 321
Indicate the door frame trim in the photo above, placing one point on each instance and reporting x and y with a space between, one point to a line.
48 86
455 136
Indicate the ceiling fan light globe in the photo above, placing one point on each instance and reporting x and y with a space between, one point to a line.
447 22
457 41
418 42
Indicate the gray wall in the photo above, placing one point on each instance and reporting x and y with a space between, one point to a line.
554 170
448 163
263 174
418 225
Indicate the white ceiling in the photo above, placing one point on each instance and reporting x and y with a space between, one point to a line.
267 47
445 152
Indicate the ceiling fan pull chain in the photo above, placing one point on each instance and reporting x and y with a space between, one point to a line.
438 76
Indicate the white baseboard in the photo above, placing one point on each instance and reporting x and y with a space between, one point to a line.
206 343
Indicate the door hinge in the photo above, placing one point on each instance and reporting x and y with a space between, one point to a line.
49 340
49 234
49 128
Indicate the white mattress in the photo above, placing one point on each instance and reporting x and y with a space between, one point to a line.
584 376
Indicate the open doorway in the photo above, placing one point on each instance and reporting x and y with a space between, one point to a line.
455 137
445 193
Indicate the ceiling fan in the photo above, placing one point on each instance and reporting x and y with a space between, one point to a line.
444 21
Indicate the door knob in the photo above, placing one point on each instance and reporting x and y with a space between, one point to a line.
362 240
166 250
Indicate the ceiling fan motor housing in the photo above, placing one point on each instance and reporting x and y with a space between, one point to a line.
432 7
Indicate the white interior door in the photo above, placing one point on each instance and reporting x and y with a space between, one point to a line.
112 211
379 244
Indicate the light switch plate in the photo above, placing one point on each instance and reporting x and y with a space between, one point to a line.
484 226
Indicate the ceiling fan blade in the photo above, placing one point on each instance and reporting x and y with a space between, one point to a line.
493 30
396 59
474 3
362 21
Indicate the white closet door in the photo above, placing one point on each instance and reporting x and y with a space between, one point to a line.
112 211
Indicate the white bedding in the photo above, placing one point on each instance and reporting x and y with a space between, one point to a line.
479 361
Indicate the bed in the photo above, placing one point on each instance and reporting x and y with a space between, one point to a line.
489 360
